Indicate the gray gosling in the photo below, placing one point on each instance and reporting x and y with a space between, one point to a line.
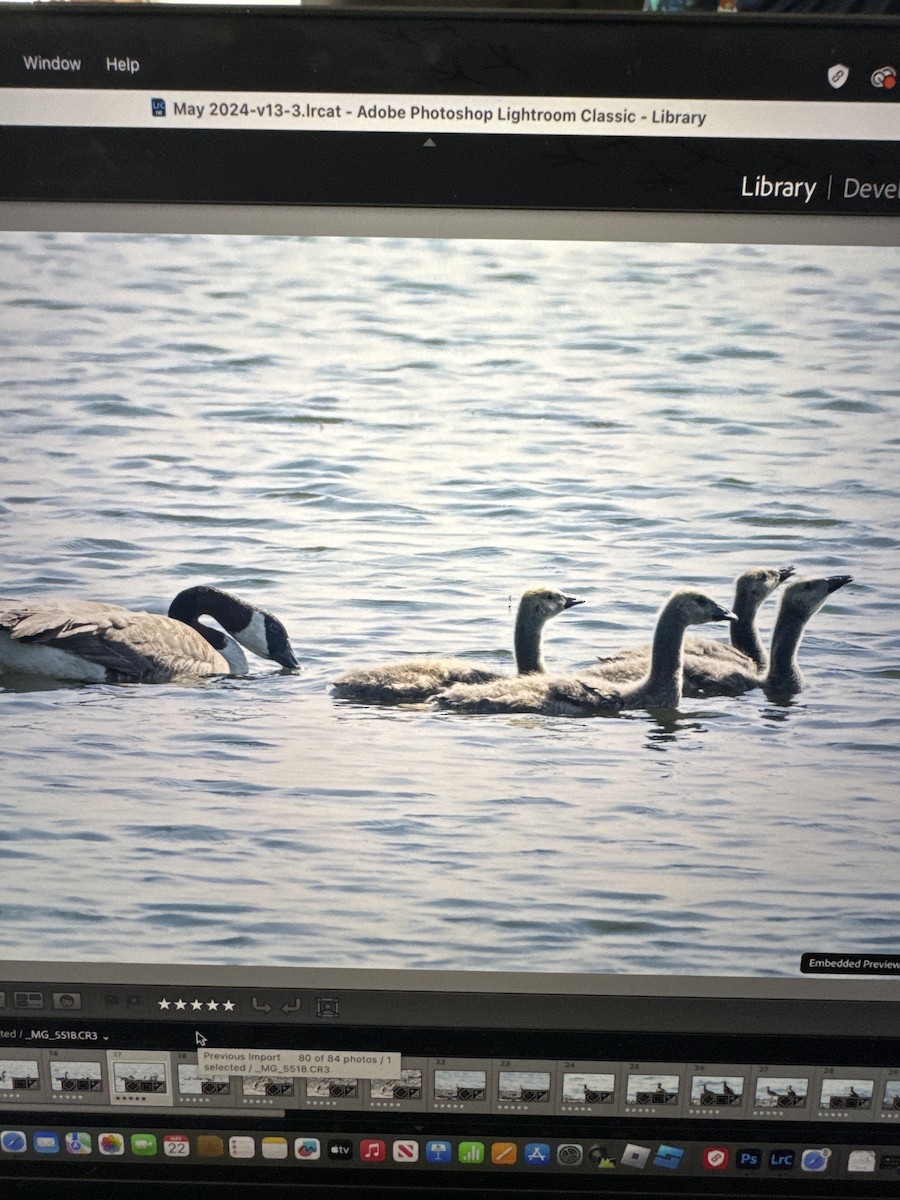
580 697
92 642
800 601
415 680
746 649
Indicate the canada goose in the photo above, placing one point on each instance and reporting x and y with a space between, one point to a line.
803 598
579 696
417 679
746 650
90 641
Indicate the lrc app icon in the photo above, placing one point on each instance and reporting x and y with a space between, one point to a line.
157 106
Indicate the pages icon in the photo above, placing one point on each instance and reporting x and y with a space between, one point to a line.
838 75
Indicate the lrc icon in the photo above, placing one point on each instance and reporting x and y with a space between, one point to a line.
157 106
782 1160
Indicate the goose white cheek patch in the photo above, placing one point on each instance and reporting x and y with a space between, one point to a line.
253 635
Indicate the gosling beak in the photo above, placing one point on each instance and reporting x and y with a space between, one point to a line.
785 573
837 581
725 614
571 602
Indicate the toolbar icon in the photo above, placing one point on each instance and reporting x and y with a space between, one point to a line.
814 1160
470 1153
438 1152
884 77
715 1158
570 1154
635 1156
504 1154
861 1160
838 75
406 1151
669 1157
537 1154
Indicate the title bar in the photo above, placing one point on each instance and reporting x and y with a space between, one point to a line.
349 112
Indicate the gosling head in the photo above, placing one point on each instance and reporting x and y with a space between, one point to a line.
806 596
758 583
696 608
541 603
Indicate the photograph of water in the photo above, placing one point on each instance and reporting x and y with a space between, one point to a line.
385 442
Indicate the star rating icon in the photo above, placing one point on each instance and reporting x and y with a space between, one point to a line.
181 1005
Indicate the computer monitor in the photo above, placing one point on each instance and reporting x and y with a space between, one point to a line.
527 382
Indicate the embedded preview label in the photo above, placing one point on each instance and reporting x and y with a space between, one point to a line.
362 112
321 1064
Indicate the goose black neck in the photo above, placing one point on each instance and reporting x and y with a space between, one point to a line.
784 674
527 644
196 602
666 659
744 634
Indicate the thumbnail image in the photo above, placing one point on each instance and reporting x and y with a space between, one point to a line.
652 1089
334 1089
716 1092
460 1085
588 1088
19 1075
892 1095
773 1092
408 1086
139 1078
500 574
847 1093
527 1086
265 1085
193 1082
76 1076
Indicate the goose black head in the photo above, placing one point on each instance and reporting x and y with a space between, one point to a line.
255 628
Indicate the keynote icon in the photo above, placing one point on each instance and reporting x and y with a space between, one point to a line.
838 75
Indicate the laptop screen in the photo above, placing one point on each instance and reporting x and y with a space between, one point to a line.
448 636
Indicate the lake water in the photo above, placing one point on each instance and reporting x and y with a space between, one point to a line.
385 442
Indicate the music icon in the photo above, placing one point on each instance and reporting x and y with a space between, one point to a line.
372 1150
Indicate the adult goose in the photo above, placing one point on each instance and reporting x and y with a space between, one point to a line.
94 642
415 680
579 696
782 677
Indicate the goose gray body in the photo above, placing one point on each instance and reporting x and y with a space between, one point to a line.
91 641
415 680
581 695
745 652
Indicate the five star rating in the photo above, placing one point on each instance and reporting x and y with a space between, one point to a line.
180 1005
